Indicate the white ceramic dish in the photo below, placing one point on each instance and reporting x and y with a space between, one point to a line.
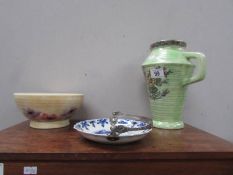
98 130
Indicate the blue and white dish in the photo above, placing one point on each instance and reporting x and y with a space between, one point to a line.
98 130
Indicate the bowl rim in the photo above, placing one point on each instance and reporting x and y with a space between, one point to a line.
46 94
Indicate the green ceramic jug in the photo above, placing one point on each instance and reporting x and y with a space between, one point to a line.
168 70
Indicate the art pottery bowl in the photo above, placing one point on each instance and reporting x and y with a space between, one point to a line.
48 110
98 130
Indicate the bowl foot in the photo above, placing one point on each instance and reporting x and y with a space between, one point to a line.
49 125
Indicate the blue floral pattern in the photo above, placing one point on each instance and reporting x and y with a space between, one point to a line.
123 121
102 121
103 132
92 123
85 125
141 124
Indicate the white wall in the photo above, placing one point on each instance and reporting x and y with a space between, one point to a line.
97 47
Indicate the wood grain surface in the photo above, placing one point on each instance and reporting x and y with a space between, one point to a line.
61 151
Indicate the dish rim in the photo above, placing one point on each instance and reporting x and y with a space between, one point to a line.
101 135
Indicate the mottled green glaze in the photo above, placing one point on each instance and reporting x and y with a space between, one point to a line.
167 92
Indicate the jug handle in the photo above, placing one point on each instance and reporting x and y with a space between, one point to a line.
201 65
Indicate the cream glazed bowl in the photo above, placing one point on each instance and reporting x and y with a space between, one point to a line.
48 110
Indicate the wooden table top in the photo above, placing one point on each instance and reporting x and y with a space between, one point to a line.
21 142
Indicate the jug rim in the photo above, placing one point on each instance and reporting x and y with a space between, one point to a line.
160 43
